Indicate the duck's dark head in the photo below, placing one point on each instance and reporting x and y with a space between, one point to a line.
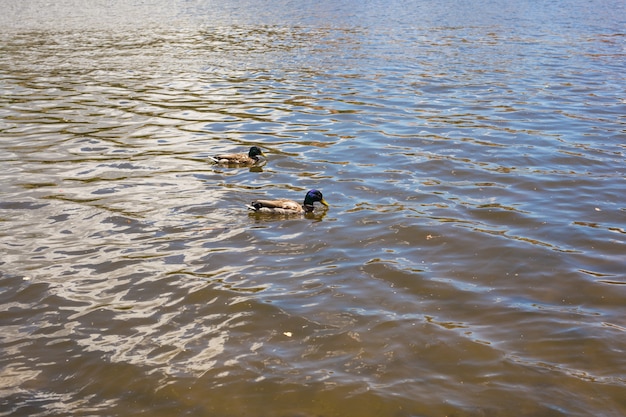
255 152
311 197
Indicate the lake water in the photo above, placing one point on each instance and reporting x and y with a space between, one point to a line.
472 261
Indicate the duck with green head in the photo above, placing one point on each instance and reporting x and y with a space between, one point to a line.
251 158
285 206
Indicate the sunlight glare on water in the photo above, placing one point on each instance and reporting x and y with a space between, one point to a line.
471 262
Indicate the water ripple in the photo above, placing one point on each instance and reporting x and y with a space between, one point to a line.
471 259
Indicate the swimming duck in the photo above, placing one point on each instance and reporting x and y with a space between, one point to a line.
284 206
251 158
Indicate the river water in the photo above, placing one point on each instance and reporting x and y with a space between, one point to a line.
472 261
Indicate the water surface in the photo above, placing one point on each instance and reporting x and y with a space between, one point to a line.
471 262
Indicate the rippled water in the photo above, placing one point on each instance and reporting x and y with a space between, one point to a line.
471 262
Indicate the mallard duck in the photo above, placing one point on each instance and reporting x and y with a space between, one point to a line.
251 158
284 206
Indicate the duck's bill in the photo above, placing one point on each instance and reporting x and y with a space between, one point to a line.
324 202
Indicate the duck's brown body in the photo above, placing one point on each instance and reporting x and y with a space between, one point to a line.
281 206
251 158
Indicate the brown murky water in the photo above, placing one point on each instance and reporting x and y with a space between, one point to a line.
472 262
